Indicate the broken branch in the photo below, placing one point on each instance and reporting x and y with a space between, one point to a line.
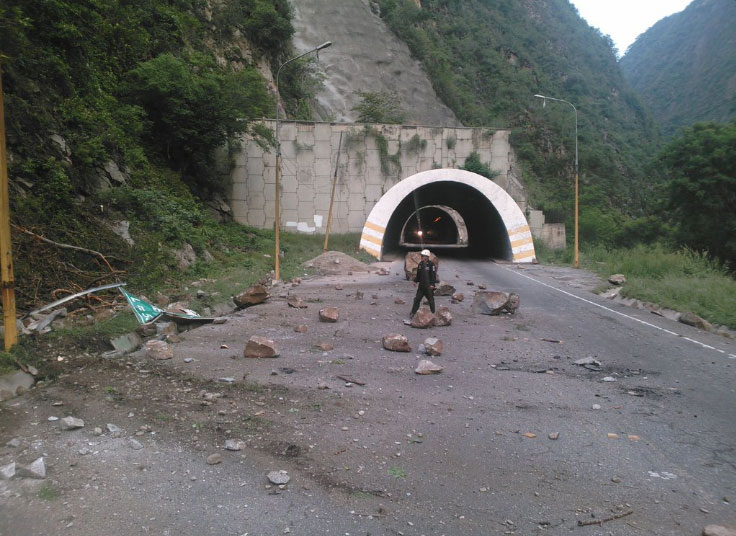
605 519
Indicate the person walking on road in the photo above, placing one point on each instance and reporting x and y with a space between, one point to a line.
426 279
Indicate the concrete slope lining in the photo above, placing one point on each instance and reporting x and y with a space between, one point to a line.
517 240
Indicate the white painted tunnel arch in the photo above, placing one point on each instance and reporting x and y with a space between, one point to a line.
519 234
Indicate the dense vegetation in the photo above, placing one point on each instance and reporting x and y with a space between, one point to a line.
136 95
684 67
488 58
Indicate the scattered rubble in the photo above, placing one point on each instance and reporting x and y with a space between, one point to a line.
426 367
396 343
336 263
258 346
329 314
491 302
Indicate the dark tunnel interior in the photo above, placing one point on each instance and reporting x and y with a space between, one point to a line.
430 226
487 234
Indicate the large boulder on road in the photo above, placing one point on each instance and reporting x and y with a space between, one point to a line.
412 260
493 302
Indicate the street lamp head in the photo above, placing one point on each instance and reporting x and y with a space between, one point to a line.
324 45
540 96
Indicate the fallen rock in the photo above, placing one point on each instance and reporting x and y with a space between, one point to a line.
301 328
589 363
617 279
329 314
251 296
691 319
443 317
234 444
7 471
278 478
399 301
425 367
482 286
554 435
396 343
159 350
444 289
71 423
719 530
423 319
324 346
492 302
457 297
135 444
260 347
36 469
296 302
214 459
114 430
433 346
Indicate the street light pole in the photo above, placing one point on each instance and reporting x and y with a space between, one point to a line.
576 261
277 202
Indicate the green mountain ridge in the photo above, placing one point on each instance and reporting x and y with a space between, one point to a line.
684 67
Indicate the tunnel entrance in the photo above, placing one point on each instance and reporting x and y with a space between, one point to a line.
494 225
438 226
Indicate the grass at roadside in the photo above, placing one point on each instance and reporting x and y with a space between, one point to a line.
682 280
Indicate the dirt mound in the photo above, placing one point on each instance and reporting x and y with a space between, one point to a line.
336 263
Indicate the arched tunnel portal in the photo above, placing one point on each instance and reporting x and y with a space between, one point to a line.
496 226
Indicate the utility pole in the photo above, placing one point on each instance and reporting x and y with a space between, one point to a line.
6 250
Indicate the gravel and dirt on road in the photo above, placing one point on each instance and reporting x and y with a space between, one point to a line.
183 446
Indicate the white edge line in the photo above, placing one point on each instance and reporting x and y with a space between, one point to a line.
730 356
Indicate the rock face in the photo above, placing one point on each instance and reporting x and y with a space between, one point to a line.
423 319
251 296
159 350
492 302
444 289
426 367
691 319
412 260
329 314
433 346
260 347
396 343
443 317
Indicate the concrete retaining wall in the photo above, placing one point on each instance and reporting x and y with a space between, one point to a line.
373 158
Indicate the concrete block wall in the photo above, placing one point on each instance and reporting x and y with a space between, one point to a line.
309 155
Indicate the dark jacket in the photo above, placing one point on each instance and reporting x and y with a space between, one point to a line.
426 274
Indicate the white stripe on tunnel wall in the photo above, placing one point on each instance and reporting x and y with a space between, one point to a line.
511 215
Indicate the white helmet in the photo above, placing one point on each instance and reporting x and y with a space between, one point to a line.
425 253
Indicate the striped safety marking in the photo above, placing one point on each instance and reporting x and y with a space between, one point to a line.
522 243
372 238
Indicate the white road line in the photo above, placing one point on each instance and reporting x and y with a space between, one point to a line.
701 344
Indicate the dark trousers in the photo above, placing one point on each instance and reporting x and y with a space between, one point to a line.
421 293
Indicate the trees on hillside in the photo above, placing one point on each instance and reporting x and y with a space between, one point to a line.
701 192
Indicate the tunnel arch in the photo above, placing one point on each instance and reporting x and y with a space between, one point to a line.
496 225
453 235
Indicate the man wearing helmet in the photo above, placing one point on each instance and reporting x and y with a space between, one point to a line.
426 279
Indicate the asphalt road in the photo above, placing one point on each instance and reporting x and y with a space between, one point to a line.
467 451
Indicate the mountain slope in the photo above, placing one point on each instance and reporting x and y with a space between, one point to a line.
684 67
488 58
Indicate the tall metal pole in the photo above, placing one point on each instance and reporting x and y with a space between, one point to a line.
6 250
576 261
277 186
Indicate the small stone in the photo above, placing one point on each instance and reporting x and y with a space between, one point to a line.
554 436
433 346
260 347
612 436
609 379
97 431
71 423
52 419
114 430
691 319
423 319
135 444
188 360
36 469
396 343
457 297
301 328
226 379
616 480
617 279
530 435
596 406
234 444
252 296
322 385
399 301
426 367
329 314
719 530
159 350
324 346
632 437
13 443
296 302
7 471
278 477
214 459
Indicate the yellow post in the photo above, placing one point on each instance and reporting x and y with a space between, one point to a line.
6 253
332 196
577 256
277 216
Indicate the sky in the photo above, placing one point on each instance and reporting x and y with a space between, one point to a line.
624 20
